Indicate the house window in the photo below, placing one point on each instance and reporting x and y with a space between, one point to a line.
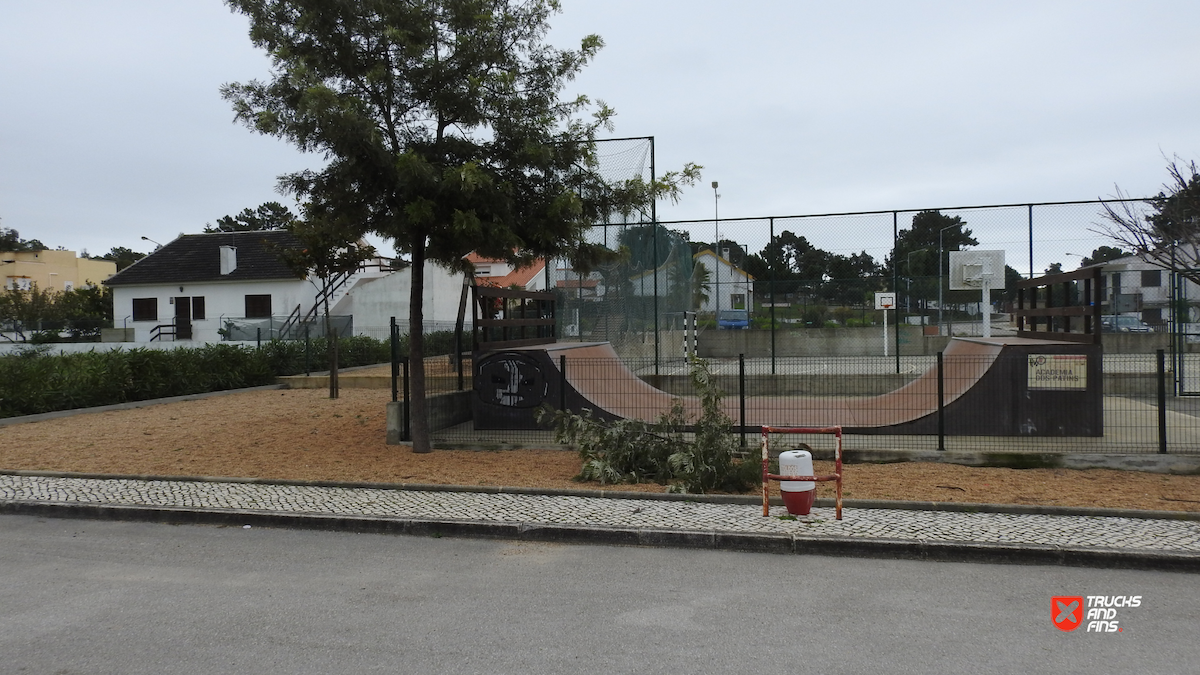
20 283
198 308
68 285
738 300
145 309
258 306
1151 278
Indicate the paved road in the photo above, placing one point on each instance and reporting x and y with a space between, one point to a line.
133 598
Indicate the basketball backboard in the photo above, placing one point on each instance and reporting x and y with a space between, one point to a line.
970 269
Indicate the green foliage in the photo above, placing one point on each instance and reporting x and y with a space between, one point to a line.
763 322
815 316
123 257
1102 254
82 312
10 240
34 381
444 131
268 216
634 451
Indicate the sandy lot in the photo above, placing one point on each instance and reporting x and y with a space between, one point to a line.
302 434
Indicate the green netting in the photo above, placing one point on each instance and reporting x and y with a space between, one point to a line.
638 302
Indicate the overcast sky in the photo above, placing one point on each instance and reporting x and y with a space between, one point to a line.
112 128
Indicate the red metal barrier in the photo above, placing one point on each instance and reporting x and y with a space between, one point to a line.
836 476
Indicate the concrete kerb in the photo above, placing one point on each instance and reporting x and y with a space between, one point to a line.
963 507
617 536
824 502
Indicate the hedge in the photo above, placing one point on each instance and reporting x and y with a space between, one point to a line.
33 382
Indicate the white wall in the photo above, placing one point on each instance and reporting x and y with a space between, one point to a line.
222 300
377 300
725 279
1153 297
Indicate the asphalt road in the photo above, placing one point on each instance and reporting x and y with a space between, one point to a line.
131 598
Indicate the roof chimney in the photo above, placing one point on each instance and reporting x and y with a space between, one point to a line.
228 259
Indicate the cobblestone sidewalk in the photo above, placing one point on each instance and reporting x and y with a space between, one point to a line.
1074 532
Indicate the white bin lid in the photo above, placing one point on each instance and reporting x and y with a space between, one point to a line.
796 463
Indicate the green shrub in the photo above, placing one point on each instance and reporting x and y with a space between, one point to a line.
35 381
633 451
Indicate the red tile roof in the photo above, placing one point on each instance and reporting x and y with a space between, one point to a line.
520 277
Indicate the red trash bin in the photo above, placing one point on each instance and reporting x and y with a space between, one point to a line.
797 494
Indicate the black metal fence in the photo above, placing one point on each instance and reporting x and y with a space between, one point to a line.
881 408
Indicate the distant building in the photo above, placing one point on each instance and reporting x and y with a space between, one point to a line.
733 284
729 287
489 272
52 270
209 287
1132 286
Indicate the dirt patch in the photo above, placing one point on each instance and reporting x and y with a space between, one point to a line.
303 435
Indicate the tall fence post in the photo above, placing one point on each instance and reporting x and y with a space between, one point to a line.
941 415
258 337
1162 401
771 287
742 397
657 333
395 353
895 288
562 382
307 353
407 435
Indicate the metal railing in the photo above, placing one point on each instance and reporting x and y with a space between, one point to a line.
883 409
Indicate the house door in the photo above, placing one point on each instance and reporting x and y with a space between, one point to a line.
183 318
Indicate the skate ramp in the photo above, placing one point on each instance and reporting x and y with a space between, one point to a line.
981 394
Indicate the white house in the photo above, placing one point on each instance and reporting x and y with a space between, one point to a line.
1131 285
375 301
729 287
199 286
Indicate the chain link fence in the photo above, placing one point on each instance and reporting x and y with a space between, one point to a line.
797 278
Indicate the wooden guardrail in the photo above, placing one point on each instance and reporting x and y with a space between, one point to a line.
506 317
1060 306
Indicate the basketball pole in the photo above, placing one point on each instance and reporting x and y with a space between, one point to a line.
885 334
986 305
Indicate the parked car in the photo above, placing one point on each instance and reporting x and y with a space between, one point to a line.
733 318
1123 324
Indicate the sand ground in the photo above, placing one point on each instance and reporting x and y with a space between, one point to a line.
302 434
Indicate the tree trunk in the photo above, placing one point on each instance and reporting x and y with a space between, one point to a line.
334 387
419 418
331 345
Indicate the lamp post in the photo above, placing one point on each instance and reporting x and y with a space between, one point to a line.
716 254
940 272
152 242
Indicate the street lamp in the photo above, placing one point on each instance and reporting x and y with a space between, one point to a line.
958 224
152 242
716 253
